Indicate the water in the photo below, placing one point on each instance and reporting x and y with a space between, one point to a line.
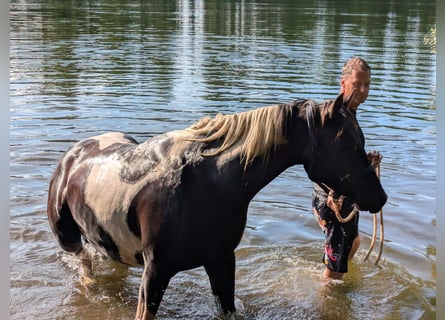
85 67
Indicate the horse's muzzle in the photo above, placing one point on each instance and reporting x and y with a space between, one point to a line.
373 205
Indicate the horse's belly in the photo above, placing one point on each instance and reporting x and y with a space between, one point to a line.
128 246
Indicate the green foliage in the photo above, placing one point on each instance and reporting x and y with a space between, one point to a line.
430 39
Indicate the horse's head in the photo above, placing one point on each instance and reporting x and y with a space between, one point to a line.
337 157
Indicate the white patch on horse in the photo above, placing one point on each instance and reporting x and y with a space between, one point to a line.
110 196
110 199
109 138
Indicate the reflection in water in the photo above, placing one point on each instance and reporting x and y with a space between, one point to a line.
82 68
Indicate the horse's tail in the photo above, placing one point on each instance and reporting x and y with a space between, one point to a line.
60 217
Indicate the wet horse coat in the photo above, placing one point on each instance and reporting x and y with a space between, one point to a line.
179 200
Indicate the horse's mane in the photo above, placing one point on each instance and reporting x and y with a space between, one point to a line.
256 131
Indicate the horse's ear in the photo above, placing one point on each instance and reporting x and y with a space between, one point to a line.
347 100
338 103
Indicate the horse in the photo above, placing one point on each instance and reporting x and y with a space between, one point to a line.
179 200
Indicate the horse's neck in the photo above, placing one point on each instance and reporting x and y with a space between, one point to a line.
262 171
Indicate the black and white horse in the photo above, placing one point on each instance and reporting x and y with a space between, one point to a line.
179 200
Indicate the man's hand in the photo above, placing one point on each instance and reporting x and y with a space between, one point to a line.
374 158
334 204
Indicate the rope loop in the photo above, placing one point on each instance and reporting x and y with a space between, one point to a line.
336 204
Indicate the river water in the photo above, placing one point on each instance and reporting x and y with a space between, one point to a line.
80 68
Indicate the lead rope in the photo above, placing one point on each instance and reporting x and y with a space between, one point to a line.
336 204
374 231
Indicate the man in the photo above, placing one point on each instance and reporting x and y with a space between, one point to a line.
342 238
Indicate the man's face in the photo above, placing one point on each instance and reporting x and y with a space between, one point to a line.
359 80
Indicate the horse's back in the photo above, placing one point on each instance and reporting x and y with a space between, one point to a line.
89 148
110 138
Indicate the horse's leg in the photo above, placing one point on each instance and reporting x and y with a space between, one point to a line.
86 268
68 234
221 273
153 285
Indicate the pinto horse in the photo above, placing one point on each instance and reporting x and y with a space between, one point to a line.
179 200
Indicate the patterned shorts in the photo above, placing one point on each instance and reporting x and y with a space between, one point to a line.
338 236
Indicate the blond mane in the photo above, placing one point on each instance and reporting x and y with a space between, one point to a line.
255 131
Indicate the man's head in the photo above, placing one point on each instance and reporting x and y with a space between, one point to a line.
356 74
